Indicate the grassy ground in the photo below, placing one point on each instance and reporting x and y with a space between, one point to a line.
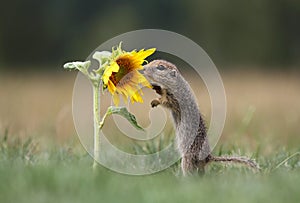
41 159
62 175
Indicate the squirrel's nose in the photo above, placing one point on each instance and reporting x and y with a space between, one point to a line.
142 71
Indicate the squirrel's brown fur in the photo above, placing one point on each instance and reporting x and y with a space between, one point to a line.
191 133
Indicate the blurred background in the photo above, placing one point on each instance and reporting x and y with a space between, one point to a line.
254 44
36 34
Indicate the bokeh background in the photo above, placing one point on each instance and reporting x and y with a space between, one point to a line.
36 34
255 45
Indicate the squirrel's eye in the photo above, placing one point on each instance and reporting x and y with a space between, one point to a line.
161 67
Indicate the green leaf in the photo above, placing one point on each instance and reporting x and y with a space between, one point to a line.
122 111
79 65
103 58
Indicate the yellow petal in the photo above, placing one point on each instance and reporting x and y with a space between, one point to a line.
116 99
113 67
142 80
122 92
124 98
141 55
136 98
111 87
131 89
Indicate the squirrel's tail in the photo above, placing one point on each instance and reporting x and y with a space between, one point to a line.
235 159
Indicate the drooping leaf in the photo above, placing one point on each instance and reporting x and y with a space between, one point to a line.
122 111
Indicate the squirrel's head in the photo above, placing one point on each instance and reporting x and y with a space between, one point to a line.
162 73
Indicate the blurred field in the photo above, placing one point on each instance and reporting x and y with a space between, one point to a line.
263 107
263 117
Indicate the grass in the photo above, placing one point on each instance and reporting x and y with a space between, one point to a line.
41 159
64 175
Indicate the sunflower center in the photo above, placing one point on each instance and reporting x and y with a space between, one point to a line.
125 68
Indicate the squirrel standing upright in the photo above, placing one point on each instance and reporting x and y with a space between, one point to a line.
191 134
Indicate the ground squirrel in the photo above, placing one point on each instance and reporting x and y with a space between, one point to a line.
191 134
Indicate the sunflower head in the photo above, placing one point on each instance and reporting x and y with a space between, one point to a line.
122 77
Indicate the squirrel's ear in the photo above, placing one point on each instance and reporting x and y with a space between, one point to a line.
173 73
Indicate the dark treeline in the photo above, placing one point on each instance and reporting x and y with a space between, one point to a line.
265 33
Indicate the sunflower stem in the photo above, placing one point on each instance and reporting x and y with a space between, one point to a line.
103 121
97 128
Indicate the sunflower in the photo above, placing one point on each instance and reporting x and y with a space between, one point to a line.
122 76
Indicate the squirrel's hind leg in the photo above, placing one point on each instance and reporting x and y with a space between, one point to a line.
191 165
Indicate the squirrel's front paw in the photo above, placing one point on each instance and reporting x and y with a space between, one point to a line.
155 103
